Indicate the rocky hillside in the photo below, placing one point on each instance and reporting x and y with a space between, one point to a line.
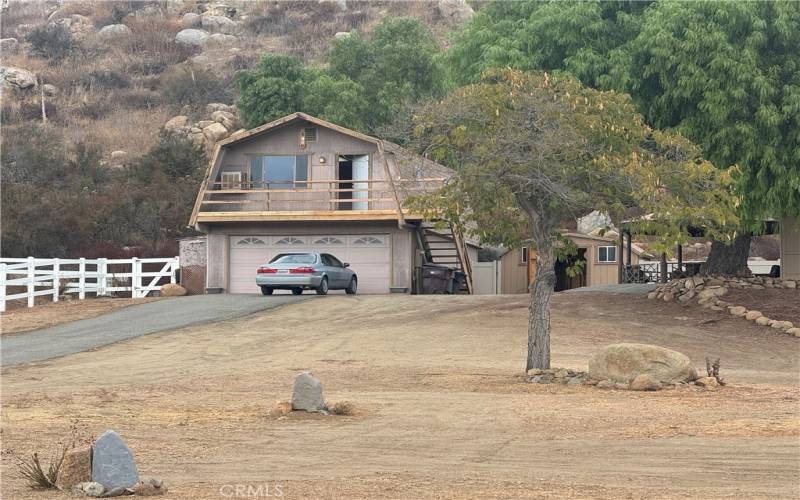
111 74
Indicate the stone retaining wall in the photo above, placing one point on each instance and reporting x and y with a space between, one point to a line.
709 290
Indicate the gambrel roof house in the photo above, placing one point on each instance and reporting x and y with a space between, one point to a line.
303 184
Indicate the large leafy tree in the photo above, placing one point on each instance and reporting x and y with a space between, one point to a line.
724 74
533 150
577 36
727 75
366 82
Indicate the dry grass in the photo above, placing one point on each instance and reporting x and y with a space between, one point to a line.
344 408
109 92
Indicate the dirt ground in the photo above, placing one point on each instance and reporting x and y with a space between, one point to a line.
442 408
776 303
22 319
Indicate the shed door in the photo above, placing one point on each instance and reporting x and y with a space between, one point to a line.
369 256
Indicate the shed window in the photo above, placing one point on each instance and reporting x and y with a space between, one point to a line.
311 134
279 172
524 255
607 254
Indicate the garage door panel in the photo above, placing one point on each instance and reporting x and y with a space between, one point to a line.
369 257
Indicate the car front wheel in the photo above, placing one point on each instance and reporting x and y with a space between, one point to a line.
265 290
322 289
352 287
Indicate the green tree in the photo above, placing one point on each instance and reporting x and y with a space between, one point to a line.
577 36
272 89
367 80
397 64
531 151
724 74
727 75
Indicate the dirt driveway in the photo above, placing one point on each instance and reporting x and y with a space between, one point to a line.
442 408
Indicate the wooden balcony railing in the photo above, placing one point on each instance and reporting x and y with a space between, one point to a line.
315 195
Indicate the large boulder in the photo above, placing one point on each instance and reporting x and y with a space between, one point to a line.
113 31
455 10
8 45
215 132
76 468
17 77
307 393
190 20
176 122
194 37
624 362
112 462
219 24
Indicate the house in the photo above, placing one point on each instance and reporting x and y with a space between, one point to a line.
300 184
600 254
790 247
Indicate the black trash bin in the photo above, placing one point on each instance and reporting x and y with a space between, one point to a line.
435 279
457 282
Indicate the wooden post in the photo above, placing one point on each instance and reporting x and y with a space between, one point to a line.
620 264
82 278
56 279
173 269
679 254
2 287
628 249
136 279
102 273
663 277
31 275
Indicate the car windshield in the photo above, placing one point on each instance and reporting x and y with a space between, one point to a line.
294 258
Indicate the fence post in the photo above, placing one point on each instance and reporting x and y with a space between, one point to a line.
2 287
136 279
31 276
102 272
172 269
56 279
82 278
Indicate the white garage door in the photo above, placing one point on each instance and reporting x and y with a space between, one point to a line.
369 256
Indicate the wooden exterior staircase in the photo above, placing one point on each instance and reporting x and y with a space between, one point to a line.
445 246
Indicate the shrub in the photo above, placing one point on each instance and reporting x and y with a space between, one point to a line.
342 408
193 87
109 79
51 41
32 470
153 41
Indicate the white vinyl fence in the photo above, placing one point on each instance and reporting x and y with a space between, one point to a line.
53 277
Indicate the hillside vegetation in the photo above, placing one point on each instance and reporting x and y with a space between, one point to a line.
88 87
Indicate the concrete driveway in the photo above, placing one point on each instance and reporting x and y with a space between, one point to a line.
131 322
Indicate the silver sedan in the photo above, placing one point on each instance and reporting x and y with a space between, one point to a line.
306 271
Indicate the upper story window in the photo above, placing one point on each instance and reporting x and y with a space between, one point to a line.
607 254
279 172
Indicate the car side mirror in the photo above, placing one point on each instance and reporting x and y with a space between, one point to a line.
346 264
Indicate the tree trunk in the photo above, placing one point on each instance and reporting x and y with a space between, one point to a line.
539 308
729 259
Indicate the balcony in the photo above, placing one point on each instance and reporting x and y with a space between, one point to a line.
375 199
